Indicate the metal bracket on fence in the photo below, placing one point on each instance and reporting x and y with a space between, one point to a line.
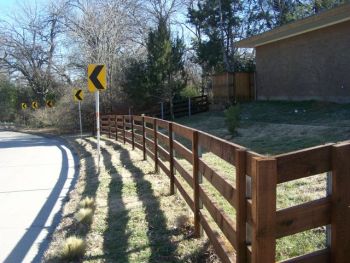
328 227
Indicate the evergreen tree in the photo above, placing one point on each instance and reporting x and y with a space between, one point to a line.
162 76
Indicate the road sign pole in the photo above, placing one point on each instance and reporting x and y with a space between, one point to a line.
80 123
97 98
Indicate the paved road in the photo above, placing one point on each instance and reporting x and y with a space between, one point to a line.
35 176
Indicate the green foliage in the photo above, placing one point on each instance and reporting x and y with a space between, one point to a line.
162 75
190 91
73 248
232 115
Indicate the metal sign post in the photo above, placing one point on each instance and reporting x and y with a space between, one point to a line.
97 100
80 123
97 81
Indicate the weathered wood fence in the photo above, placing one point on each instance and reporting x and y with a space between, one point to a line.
183 107
249 236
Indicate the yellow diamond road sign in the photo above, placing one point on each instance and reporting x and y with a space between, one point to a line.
34 105
24 106
78 95
97 77
49 103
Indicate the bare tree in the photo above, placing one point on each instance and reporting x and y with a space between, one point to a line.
29 41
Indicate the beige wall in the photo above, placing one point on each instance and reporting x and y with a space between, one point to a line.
315 65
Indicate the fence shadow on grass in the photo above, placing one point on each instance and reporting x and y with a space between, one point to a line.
161 246
116 220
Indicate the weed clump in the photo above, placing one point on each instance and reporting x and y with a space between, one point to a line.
87 202
232 115
84 215
73 248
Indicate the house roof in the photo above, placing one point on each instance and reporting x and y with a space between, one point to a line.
324 19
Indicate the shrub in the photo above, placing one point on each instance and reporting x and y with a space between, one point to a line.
73 248
87 202
232 115
190 91
84 215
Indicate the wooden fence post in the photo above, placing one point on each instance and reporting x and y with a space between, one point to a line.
195 184
124 129
155 130
241 211
264 182
340 217
171 158
116 127
132 132
143 138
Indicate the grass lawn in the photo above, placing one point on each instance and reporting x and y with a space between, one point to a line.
278 127
135 219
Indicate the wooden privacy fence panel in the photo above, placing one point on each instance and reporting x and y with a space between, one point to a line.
250 235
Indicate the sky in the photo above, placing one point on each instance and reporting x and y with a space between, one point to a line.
6 6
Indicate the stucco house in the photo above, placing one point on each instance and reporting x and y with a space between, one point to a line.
305 60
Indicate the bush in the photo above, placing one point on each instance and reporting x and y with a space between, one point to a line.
232 115
84 215
190 91
87 202
73 248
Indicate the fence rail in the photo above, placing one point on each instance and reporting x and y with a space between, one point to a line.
184 107
250 235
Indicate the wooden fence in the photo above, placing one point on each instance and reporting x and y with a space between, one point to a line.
183 107
249 236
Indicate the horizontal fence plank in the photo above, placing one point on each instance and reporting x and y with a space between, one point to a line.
303 163
184 194
138 145
227 226
162 123
164 168
303 217
163 138
138 127
217 241
320 256
128 134
137 118
128 140
164 153
149 142
183 131
223 186
185 175
148 119
182 150
150 153
219 147
149 131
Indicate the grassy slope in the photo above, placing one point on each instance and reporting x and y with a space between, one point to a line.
277 127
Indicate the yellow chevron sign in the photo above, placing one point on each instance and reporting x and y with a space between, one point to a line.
97 77
49 103
24 106
35 105
78 95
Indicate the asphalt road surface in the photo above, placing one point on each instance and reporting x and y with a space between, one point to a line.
35 175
